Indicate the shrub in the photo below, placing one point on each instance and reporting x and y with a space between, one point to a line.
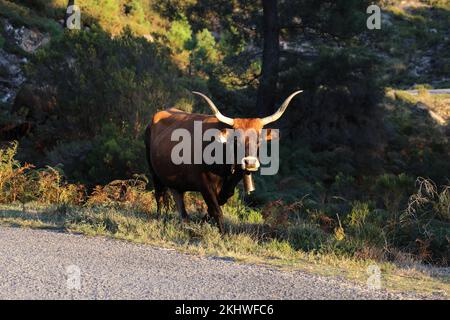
52 189
23 183
358 215
366 224
115 153
238 209
14 177
106 92
306 237
394 190
130 194
278 213
426 222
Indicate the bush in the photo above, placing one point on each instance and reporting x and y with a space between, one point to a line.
14 178
426 223
23 183
51 188
394 190
107 89
339 106
306 237
115 153
364 225
128 194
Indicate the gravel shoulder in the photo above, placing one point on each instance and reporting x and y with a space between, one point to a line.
34 265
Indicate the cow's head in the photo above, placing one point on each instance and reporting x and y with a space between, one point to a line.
248 131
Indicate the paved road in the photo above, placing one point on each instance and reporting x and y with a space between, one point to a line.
33 265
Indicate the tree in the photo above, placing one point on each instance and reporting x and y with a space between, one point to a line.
271 56
67 16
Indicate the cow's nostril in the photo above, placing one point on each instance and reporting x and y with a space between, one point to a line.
250 163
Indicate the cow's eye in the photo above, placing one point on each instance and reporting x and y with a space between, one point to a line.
222 136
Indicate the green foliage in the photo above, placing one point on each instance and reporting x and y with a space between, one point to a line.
107 79
107 91
237 209
137 12
393 190
115 153
2 42
306 237
179 35
341 18
205 48
199 52
339 108
358 215
231 44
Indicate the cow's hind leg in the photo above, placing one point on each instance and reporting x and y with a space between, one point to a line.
179 200
160 189
160 197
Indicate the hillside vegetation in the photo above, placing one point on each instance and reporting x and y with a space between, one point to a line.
364 164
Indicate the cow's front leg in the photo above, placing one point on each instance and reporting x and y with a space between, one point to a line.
206 217
214 209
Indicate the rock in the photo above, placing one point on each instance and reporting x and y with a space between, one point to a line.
31 40
11 76
149 37
27 39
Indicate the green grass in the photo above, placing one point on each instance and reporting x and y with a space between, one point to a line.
204 239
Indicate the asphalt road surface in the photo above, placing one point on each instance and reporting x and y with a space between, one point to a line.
38 264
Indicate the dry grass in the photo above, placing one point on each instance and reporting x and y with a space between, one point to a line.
437 105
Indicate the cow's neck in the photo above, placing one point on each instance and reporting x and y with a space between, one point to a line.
229 183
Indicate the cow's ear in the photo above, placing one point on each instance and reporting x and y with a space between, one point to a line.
222 136
271 134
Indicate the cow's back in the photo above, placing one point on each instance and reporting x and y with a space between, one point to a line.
183 177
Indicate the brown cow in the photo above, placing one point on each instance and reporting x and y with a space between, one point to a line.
216 182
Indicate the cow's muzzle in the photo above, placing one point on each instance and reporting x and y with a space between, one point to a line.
250 163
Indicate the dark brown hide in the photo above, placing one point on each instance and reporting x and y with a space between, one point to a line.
215 182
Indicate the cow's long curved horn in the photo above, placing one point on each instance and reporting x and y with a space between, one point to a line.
216 111
281 110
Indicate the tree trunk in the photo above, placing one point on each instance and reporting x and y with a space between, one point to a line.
71 3
265 103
